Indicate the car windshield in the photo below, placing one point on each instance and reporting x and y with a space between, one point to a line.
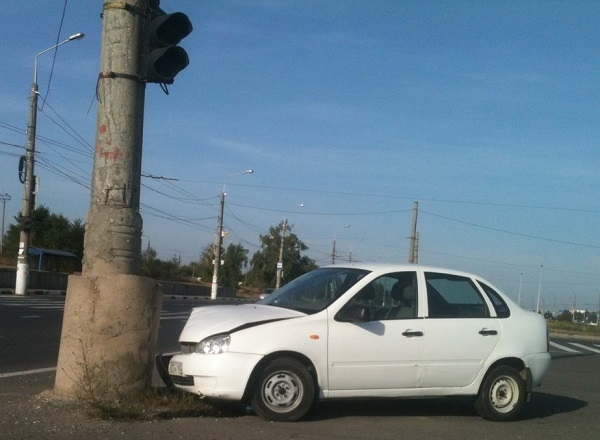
315 290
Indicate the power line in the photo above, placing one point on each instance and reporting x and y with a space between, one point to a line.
519 234
71 132
411 198
62 20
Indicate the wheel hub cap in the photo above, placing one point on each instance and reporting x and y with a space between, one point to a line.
282 390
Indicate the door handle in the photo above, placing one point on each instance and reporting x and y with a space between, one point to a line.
412 333
486 332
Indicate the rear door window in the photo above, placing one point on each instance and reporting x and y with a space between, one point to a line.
453 296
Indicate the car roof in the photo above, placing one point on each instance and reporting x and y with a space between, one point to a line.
383 268
401 267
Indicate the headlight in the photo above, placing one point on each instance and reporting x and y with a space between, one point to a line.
213 345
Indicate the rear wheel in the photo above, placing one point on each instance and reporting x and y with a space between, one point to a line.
502 395
285 391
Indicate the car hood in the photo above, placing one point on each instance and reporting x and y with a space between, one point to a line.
212 320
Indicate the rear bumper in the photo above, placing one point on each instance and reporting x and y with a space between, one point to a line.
538 364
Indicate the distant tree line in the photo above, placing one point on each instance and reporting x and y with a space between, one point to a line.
56 232
586 316
48 231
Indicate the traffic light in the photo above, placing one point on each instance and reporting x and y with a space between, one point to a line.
165 59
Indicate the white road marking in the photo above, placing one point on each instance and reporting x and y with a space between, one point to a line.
24 373
563 347
585 347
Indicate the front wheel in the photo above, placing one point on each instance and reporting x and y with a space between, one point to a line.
502 395
285 391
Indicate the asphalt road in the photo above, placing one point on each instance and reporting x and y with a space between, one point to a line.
567 405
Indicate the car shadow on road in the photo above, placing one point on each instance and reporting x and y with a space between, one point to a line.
541 406
544 405
447 406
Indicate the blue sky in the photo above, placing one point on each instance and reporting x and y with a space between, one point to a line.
484 112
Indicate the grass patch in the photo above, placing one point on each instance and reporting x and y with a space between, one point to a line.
158 404
573 328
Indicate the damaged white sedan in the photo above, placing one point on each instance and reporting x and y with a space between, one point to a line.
366 331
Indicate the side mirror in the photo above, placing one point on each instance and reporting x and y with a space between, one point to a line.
354 313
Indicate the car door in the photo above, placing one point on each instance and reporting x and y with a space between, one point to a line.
460 332
384 352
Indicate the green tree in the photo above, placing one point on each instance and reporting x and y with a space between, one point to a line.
263 271
152 267
565 316
206 265
48 231
235 260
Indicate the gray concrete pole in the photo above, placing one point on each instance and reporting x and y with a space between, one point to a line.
333 251
412 251
219 239
25 235
111 317
22 278
217 248
5 198
114 226
280 261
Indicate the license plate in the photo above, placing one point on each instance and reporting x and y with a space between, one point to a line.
175 369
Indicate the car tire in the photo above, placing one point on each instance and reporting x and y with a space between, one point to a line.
285 391
502 395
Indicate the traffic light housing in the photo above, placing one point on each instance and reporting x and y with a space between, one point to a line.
164 58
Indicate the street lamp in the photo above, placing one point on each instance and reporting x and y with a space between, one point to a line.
28 202
219 238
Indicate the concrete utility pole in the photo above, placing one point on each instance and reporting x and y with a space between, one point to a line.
413 257
539 293
22 276
219 238
284 228
22 279
5 198
111 317
217 248
333 250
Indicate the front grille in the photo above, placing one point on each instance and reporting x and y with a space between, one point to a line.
188 347
186 381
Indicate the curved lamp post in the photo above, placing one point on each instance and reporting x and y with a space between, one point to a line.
28 202
219 238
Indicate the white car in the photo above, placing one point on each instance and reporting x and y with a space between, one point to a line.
366 331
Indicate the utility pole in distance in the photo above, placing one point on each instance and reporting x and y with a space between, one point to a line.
112 314
284 228
217 248
5 198
413 257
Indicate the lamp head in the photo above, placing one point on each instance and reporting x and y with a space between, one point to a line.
77 36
